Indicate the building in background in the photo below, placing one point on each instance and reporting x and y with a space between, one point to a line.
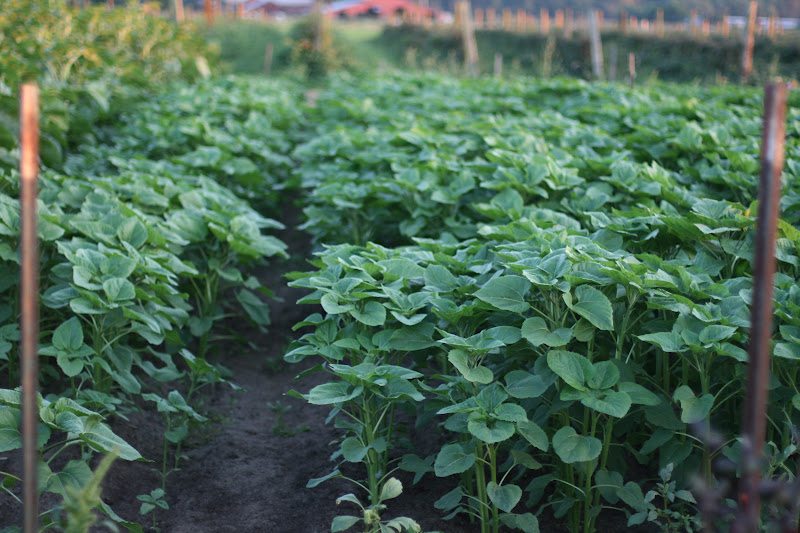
382 9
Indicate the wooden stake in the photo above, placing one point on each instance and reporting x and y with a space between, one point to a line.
470 45
544 20
522 19
29 298
179 14
596 45
208 8
750 41
498 64
660 22
559 19
754 420
507 24
569 23
478 15
268 59
631 68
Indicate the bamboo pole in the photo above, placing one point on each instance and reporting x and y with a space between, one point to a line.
750 40
29 299
758 368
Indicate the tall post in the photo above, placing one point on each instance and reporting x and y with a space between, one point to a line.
491 18
758 368
470 45
179 14
544 20
631 68
507 23
29 299
498 64
208 9
660 22
268 51
596 45
478 15
569 23
750 41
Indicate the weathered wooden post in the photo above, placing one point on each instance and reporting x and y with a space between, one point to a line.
522 20
179 13
544 20
268 52
631 69
569 23
596 46
750 41
498 64
491 18
208 9
758 369
660 22
469 44
29 299
478 18
558 19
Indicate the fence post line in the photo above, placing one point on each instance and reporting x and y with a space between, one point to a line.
29 298
750 40
758 368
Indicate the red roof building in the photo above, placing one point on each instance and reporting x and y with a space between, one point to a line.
384 9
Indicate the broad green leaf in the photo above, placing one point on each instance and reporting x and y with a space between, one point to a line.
353 451
453 459
68 336
490 432
118 290
527 522
594 307
506 293
616 404
391 489
330 393
478 374
535 331
574 448
370 314
573 368
668 341
693 409
716 333
343 523
522 384
534 434
504 497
